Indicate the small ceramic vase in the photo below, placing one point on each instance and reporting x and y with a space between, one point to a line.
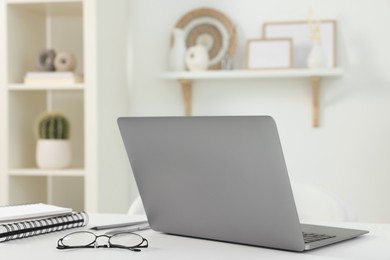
177 51
316 58
197 58
45 60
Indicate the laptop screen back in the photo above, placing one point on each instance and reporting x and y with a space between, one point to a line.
221 178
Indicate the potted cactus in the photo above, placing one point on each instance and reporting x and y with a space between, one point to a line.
53 146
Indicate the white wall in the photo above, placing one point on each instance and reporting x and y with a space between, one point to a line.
114 176
348 153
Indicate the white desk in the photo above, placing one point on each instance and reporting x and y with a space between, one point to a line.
375 245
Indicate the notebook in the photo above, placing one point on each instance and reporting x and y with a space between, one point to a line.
39 226
27 211
221 178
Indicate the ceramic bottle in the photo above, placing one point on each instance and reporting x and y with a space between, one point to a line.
177 51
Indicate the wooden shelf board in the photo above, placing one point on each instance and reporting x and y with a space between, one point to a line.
50 7
24 87
247 74
76 172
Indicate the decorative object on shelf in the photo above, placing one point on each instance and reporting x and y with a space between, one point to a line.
177 51
53 149
54 69
45 60
316 58
269 54
197 58
227 62
212 29
65 62
300 32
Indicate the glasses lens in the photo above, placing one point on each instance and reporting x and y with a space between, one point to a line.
82 238
126 239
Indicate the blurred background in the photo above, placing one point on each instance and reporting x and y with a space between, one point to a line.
123 48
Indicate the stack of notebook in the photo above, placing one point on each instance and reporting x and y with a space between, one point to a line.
20 221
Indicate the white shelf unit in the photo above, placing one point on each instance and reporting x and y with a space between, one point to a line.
186 79
30 26
26 27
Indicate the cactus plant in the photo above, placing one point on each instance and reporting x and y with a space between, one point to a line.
53 125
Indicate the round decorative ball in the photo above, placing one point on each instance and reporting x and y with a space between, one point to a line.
45 60
65 62
197 58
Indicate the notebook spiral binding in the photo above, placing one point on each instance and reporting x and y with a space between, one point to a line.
36 227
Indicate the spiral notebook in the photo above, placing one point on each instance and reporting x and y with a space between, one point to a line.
39 226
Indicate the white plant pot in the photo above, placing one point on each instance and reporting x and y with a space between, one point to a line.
53 154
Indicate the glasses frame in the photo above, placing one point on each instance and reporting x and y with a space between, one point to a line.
144 243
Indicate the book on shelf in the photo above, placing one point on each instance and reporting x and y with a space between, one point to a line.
52 77
37 219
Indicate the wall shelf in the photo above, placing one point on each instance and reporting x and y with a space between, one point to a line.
187 78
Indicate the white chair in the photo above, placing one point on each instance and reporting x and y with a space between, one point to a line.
137 207
316 204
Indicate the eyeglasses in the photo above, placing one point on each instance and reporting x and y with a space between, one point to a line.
86 239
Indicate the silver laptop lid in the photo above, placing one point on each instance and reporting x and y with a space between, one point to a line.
221 178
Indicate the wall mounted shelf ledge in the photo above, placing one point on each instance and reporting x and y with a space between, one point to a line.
242 74
186 79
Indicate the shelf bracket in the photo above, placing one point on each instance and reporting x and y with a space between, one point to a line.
315 87
186 87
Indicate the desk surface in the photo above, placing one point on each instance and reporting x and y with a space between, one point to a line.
375 245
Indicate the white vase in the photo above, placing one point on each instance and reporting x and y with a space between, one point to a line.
197 58
177 51
316 58
53 153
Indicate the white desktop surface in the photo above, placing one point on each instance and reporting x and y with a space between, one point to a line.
375 245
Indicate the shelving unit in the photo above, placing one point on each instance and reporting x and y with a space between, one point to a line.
315 76
30 26
26 27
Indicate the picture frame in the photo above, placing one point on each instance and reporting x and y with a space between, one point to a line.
299 32
269 54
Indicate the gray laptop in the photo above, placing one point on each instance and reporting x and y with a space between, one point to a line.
220 178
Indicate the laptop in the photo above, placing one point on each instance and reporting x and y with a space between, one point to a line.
221 178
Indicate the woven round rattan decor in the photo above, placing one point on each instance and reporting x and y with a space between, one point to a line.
212 29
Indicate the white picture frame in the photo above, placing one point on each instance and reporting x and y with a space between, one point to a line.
269 54
299 32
